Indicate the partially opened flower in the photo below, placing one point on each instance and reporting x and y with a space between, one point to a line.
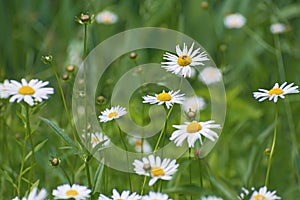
234 21
193 104
156 196
211 198
193 131
275 92
210 75
112 113
75 191
181 63
34 195
4 89
264 194
106 17
155 168
31 91
96 138
167 98
125 195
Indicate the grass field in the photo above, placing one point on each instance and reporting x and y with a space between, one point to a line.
43 143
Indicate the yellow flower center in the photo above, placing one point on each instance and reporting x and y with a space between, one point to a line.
95 140
157 171
26 90
276 91
184 60
193 127
138 143
119 199
259 197
164 97
112 114
72 193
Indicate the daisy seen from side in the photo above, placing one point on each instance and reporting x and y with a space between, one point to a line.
106 17
4 89
193 131
210 75
264 194
156 196
156 168
275 92
112 113
125 195
34 195
29 92
182 63
75 191
97 137
278 28
235 20
140 144
167 98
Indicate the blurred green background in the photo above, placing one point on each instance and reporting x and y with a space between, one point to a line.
250 58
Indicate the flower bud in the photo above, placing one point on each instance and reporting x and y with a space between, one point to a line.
100 99
204 5
65 77
70 68
85 19
55 162
133 55
47 59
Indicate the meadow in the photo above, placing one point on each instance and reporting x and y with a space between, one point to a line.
177 113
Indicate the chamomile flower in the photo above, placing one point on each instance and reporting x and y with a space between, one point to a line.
192 105
182 63
112 113
75 191
155 168
125 195
278 28
156 196
96 138
34 195
28 91
192 131
211 198
210 75
4 89
234 21
264 194
106 17
168 98
275 92
140 144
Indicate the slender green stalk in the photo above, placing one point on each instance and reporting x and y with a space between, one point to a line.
190 168
272 147
163 130
88 174
66 175
126 149
143 186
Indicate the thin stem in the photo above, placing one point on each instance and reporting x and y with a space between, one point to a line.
163 130
200 175
28 128
272 147
190 168
88 174
66 175
143 186
126 149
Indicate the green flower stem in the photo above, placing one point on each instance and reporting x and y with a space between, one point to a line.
190 168
163 130
259 40
66 175
126 149
272 147
143 186
88 174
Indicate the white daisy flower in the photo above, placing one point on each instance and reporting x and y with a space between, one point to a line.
156 196
75 191
278 28
112 113
168 98
234 21
106 17
211 198
156 168
4 89
181 63
275 92
139 144
192 131
125 195
28 91
34 195
210 75
264 194
96 138
193 104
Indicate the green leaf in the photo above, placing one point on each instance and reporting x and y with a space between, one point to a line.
188 189
5 175
222 188
60 133
36 148
98 177
290 11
